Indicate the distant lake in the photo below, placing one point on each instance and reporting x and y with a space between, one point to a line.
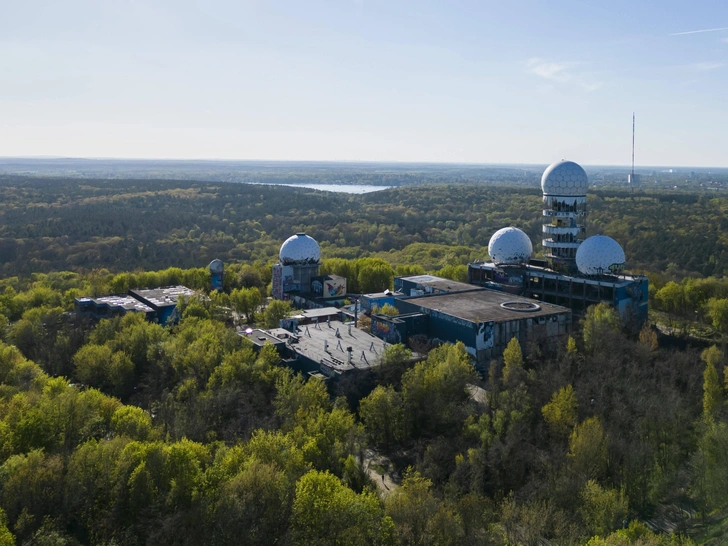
338 188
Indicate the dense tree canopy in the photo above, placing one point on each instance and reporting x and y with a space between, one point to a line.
128 432
58 224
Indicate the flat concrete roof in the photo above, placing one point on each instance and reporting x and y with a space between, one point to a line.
162 297
440 283
119 301
366 348
485 305
260 337
321 314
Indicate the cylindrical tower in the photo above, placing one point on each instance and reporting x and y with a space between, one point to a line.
217 275
564 186
300 258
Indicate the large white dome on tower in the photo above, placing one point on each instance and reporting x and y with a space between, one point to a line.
300 249
564 178
600 255
510 246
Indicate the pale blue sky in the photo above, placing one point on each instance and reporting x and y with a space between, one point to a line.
485 82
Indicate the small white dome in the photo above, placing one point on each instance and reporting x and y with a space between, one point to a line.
600 255
564 178
300 249
510 246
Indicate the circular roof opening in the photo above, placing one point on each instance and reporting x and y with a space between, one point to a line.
522 306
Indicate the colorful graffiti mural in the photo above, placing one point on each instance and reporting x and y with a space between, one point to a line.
288 281
386 331
335 287
329 286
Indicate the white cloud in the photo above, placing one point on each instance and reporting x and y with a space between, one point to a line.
562 72
698 31
549 69
706 65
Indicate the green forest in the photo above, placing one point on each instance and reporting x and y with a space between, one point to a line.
125 432
49 224
128 432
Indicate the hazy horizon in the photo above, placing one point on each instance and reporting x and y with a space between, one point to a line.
350 162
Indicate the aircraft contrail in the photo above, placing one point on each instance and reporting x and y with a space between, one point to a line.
698 31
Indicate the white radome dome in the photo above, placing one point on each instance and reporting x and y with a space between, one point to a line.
300 249
600 255
510 246
564 178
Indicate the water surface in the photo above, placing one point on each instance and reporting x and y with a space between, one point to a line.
338 188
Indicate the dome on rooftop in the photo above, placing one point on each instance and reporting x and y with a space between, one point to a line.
300 249
564 178
510 245
599 255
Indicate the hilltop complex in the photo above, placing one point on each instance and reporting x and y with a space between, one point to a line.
497 303
576 271
511 295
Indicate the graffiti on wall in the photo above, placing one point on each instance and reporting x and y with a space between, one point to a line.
334 287
386 331
289 324
288 281
500 276
216 281
485 338
329 286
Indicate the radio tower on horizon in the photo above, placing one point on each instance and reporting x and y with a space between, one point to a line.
632 180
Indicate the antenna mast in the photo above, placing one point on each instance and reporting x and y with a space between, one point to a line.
632 146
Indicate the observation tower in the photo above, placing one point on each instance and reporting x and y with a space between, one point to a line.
564 186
